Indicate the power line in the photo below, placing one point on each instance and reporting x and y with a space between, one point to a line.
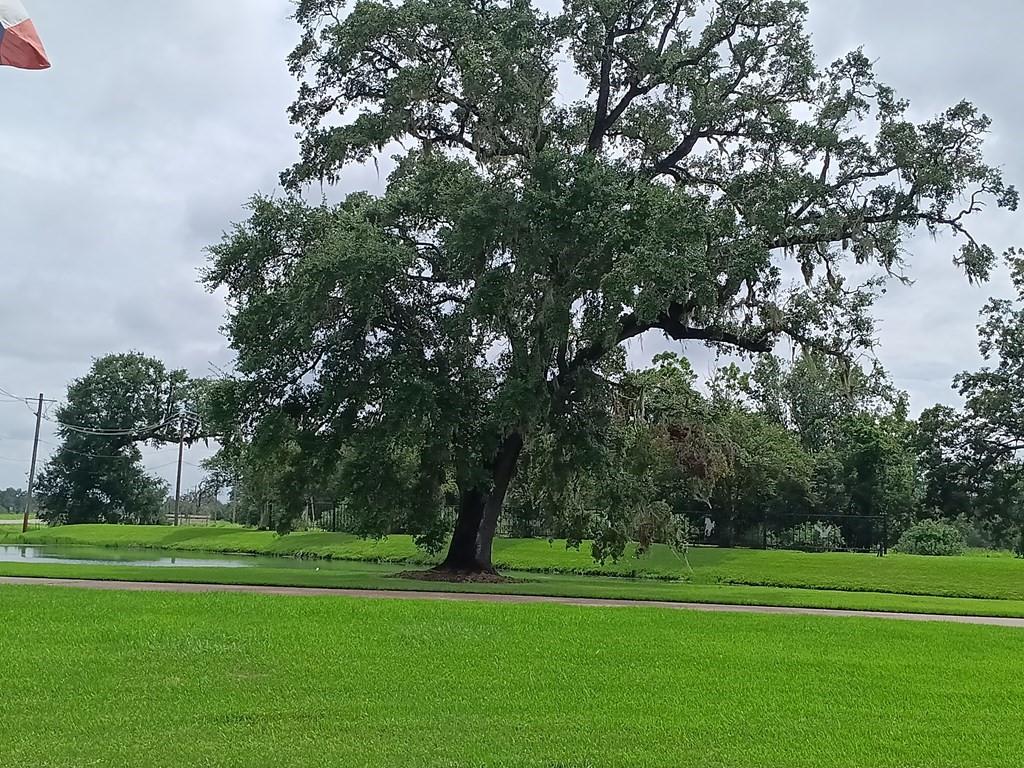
99 471
11 394
161 466
19 398
81 428
110 432
87 455
99 431
138 433
65 449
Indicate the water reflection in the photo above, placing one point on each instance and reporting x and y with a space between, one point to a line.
112 556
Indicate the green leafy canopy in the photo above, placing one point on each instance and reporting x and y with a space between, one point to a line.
96 473
564 181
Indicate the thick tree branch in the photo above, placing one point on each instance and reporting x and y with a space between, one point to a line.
605 118
668 164
604 87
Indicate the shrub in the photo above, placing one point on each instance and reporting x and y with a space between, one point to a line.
823 537
931 537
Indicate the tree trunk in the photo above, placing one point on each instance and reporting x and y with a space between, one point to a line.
462 550
477 521
504 470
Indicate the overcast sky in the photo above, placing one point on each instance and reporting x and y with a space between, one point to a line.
158 120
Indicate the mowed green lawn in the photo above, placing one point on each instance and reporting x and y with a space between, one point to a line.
141 679
384 576
360 576
972 576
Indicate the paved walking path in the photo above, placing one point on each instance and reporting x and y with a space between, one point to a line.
158 586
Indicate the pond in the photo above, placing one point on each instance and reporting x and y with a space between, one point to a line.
75 555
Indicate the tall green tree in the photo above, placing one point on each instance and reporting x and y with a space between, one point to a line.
769 479
994 395
965 478
952 483
96 474
814 394
530 226
853 426
973 456
878 468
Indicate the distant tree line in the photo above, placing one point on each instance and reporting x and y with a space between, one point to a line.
12 500
808 440
972 458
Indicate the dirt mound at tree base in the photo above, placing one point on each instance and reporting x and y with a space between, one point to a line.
439 574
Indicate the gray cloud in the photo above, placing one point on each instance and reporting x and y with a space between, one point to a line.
158 120
119 165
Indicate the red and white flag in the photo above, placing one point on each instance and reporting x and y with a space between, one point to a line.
19 42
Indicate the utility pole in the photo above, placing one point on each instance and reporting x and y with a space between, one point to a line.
181 455
32 466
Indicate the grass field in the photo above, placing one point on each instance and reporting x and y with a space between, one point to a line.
981 577
116 679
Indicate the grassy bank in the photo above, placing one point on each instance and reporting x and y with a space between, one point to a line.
999 578
115 679
364 575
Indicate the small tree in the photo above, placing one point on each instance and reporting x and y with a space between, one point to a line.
526 233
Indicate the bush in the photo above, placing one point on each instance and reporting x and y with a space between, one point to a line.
931 537
822 537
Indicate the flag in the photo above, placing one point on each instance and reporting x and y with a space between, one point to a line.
19 42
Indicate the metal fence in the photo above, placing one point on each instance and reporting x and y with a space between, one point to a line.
330 516
807 533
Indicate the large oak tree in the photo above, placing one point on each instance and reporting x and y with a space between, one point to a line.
565 180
